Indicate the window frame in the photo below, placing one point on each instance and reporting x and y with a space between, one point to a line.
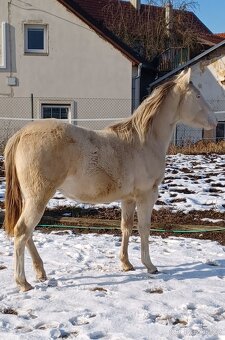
31 51
58 105
218 138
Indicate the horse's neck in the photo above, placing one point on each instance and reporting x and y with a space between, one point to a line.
160 133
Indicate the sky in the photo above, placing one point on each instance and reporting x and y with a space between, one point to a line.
211 13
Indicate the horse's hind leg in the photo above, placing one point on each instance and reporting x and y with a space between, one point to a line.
37 261
23 231
127 220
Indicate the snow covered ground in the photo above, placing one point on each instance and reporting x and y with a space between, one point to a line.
87 296
191 183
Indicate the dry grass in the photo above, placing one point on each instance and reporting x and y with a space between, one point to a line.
200 148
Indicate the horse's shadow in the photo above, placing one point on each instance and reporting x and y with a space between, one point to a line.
182 272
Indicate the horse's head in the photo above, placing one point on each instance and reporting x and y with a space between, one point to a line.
193 109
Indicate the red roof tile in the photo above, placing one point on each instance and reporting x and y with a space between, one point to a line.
104 11
211 39
221 35
97 8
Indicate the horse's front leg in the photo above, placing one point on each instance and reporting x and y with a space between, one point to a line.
145 205
127 220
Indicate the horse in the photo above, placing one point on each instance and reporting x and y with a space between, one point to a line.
124 161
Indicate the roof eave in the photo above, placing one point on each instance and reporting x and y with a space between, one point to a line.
107 35
188 64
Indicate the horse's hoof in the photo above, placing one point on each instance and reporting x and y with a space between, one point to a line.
128 268
42 278
154 271
26 287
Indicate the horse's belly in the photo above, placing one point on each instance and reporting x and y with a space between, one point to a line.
93 190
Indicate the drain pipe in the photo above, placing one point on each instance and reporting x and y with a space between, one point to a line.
136 88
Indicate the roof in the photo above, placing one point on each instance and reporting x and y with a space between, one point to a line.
99 14
188 64
211 39
221 35
83 9
97 10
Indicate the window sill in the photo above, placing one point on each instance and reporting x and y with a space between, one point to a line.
36 53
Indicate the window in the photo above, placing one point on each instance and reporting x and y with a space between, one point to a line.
220 131
35 38
57 111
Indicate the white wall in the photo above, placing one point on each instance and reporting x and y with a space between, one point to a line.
209 76
80 63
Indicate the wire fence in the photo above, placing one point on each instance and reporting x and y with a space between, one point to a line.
91 113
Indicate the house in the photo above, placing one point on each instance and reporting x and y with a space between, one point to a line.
63 59
164 36
57 61
208 75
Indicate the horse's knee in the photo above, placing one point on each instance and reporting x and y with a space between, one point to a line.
126 227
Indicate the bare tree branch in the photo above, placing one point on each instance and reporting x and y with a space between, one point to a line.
146 32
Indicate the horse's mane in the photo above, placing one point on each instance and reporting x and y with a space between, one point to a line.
143 116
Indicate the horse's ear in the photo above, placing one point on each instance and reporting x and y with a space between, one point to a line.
184 77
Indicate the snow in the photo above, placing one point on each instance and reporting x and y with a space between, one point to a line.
191 183
87 296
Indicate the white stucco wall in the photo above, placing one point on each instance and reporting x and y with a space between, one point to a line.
79 64
209 76
4 90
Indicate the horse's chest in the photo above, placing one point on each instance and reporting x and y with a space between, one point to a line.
148 176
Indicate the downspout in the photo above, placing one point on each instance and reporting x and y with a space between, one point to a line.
10 45
3 47
136 88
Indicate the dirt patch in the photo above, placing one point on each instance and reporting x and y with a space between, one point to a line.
2 171
107 220
9 311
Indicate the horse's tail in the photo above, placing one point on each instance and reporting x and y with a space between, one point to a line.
13 196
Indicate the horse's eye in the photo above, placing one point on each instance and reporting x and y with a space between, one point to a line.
198 95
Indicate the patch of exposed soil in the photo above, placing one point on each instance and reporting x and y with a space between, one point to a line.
107 220
2 173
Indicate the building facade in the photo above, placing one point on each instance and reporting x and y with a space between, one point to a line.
54 63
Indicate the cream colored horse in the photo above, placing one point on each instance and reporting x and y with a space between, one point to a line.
125 161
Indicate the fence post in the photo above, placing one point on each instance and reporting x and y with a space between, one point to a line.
32 106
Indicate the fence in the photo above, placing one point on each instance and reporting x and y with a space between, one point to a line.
93 113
